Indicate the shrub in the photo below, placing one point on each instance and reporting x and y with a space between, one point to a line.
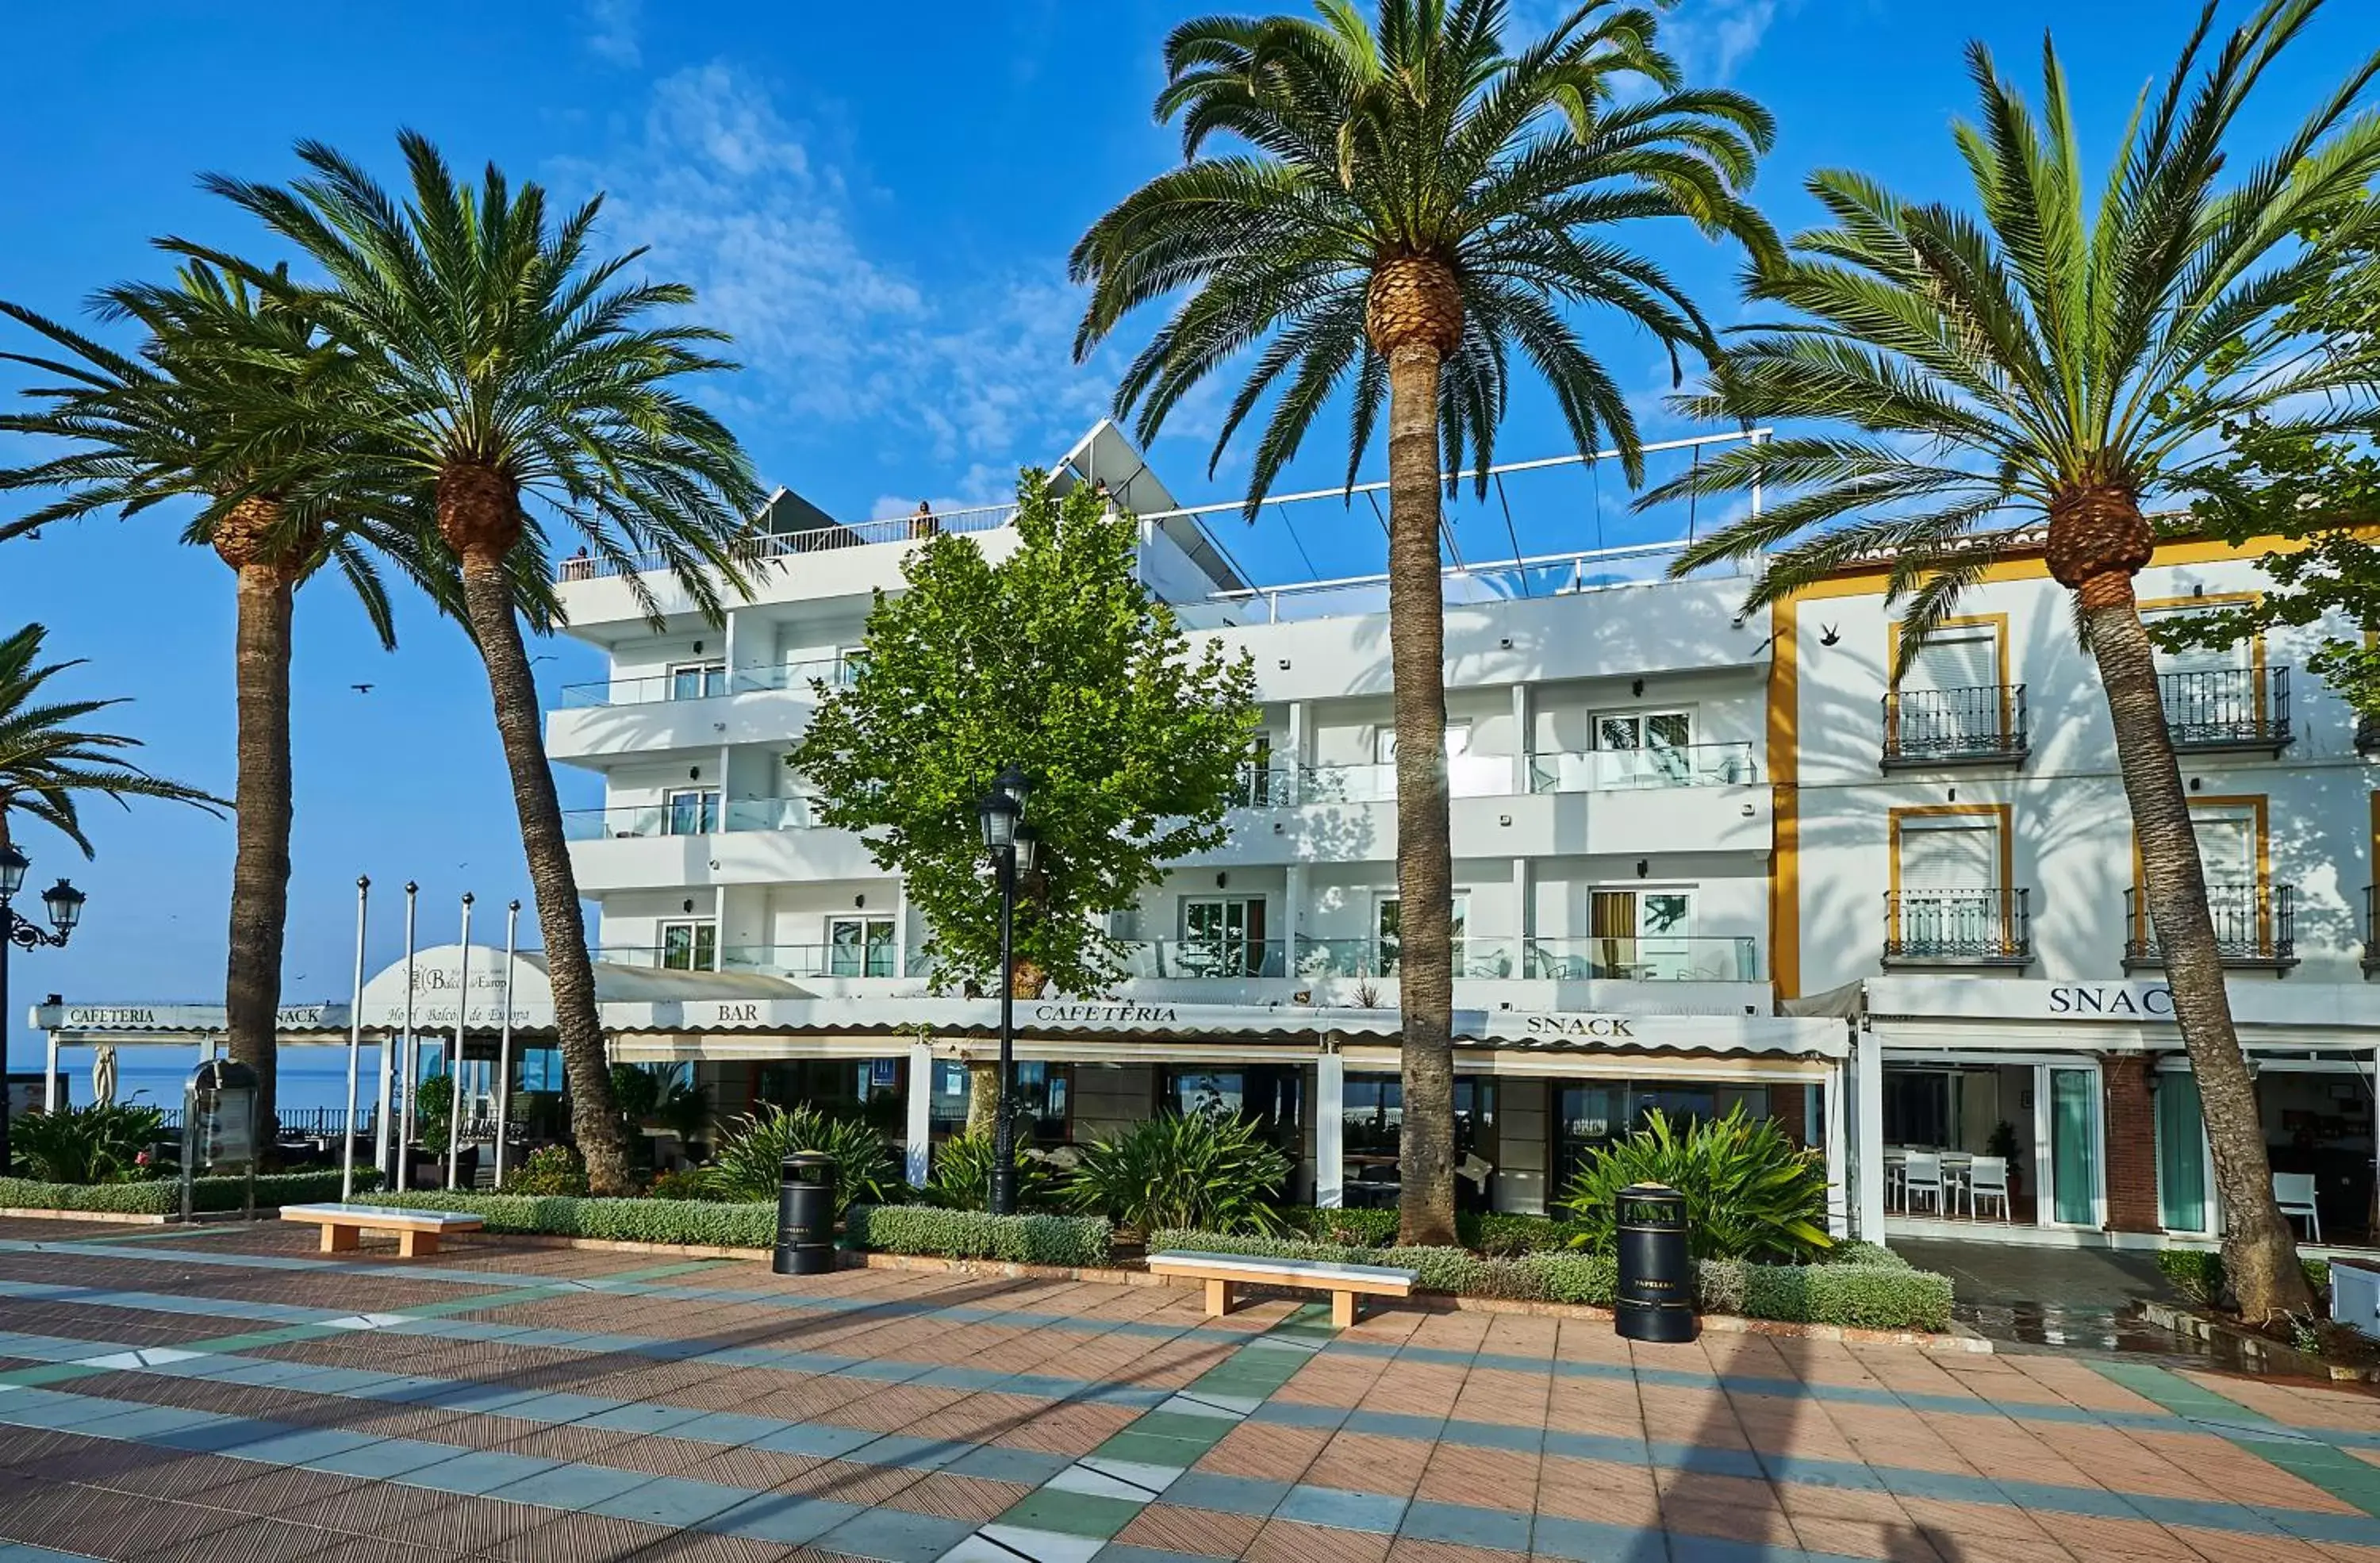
1857 1296
1502 1235
100 1144
163 1196
1751 1193
705 1223
1066 1241
1857 1251
1364 1229
552 1170
684 1183
750 1156
2197 1273
1195 1169
961 1175
433 1109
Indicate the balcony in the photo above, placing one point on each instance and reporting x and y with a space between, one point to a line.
1978 927
2216 710
1467 775
1477 957
704 683
2367 733
815 960
1984 725
1637 770
1199 958
693 816
2255 927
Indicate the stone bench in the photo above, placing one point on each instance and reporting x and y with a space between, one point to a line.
418 1231
1225 1272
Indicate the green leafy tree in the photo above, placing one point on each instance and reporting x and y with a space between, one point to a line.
2319 493
516 382
220 402
2051 356
1056 660
1421 202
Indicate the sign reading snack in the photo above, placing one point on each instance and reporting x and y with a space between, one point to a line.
2119 1001
1578 1025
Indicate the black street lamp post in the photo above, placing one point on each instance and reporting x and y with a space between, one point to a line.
1012 842
64 903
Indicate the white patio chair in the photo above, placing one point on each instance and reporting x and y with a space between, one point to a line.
1923 1179
1987 1178
2293 1192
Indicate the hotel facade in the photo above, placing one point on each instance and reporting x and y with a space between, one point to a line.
1704 856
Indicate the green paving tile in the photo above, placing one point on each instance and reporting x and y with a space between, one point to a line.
1204 1431
2335 1471
1075 1514
1152 1449
46 1372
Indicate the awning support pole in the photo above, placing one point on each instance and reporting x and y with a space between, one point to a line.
920 1108
1868 1125
1329 1130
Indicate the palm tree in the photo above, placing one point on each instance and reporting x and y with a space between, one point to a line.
2063 360
1418 206
216 406
49 764
499 365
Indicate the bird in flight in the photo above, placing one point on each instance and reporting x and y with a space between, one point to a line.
362 689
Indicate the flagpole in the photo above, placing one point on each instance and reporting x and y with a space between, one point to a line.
401 1115
355 1047
454 1069
505 1042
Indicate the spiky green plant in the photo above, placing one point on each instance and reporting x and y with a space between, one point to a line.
1751 1191
1208 1170
99 1144
961 1175
749 1164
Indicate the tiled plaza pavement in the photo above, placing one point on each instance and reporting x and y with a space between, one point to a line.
230 1395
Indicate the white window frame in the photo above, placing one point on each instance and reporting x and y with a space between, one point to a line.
712 809
826 966
706 666
693 927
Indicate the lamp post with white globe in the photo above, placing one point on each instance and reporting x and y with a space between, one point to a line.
64 903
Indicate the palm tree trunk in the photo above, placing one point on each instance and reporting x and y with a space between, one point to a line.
2259 1259
594 1115
259 875
1425 858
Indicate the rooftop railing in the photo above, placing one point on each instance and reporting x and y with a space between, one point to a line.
692 815
764 546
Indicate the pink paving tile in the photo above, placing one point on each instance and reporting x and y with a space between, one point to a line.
1366 1462
1727 1521
1867 1538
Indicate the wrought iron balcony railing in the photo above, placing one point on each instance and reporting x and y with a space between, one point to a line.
2209 710
1983 726
2254 926
1959 927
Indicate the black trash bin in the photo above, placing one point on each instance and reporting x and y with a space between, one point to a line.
1655 1301
805 1215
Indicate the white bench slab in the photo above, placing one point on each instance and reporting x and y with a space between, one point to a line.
1225 1273
418 1231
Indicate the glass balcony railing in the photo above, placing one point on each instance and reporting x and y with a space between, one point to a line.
832 672
678 957
1646 958
687 817
1173 958
873 960
1467 775
1629 771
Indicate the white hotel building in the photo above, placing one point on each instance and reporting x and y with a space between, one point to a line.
1704 856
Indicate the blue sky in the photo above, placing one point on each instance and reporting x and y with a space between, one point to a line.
877 201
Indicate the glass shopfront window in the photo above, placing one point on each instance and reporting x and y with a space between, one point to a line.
1371 1134
863 1088
1592 1114
1044 1093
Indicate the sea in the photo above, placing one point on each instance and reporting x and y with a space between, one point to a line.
308 1077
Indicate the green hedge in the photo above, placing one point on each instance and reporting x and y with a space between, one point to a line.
703 1223
1063 1241
1498 1234
1876 1295
2197 1273
163 1196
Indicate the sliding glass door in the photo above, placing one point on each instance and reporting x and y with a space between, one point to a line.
2182 1204
2066 1125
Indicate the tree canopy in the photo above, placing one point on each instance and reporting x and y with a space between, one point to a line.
1057 660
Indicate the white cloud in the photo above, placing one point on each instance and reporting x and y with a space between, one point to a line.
611 30
1707 38
737 201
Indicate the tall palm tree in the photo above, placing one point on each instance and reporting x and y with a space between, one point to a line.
216 406
49 763
2063 358
499 365
1416 206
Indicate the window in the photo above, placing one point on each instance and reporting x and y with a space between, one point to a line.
1387 931
1223 936
693 811
1270 1094
697 681
861 947
1458 742
1641 933
1042 1099
690 946
1646 748
1948 880
1592 1114
1254 786
1954 699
